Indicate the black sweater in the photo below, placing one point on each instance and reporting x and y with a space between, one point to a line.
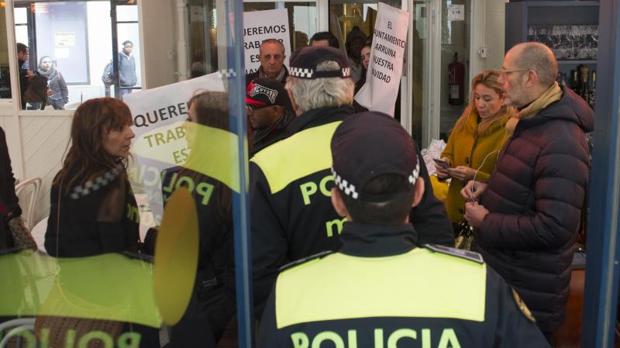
93 222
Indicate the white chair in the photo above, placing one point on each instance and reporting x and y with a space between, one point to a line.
28 193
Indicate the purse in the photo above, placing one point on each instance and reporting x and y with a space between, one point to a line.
21 236
464 235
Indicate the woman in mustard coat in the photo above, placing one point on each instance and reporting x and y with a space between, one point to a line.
475 141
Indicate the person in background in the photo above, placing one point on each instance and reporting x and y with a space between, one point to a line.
354 43
324 39
271 55
365 58
127 68
25 74
529 212
212 305
93 210
58 94
13 232
475 141
382 286
290 180
269 111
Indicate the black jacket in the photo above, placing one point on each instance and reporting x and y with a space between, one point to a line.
9 205
213 301
381 289
272 134
292 216
535 197
88 222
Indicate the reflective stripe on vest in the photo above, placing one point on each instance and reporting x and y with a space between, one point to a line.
419 283
300 155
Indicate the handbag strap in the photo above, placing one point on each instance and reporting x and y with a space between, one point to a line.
58 217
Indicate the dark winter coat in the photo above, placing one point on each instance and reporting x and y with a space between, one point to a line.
93 219
9 206
535 197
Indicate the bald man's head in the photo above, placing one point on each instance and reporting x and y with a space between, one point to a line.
538 57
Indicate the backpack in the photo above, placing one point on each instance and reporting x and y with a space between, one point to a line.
108 75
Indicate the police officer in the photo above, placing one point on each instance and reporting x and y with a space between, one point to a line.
381 289
290 181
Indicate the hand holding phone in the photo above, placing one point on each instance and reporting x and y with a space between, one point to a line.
443 164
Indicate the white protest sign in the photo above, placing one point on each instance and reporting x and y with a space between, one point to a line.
158 115
262 25
386 60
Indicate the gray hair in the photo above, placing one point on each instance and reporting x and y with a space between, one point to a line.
321 92
539 57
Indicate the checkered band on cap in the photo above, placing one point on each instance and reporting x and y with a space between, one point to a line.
305 73
416 172
349 189
344 186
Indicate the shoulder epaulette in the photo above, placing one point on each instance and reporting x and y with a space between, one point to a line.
305 259
464 254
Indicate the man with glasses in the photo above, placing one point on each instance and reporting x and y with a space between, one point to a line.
271 56
528 214
269 112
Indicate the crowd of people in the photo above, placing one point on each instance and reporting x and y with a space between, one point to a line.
349 244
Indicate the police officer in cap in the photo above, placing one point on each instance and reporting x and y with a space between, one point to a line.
290 181
382 289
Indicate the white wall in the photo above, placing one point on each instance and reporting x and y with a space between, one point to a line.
495 23
157 30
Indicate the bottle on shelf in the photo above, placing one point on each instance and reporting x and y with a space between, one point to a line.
592 92
574 80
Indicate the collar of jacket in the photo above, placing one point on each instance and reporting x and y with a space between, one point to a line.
377 241
475 125
281 75
280 125
318 117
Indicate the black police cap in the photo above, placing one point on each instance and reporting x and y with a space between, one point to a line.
305 60
368 145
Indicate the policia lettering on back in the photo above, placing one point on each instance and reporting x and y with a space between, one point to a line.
381 289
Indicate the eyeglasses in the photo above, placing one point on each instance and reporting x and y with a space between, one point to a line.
505 72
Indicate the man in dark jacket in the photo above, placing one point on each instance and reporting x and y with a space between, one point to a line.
529 213
269 112
290 181
271 55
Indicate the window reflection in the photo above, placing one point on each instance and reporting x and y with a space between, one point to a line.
71 46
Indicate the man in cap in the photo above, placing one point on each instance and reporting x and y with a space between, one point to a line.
290 181
381 287
271 56
530 209
269 111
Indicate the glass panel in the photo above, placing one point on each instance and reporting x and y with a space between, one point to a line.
127 13
94 284
129 57
70 52
5 79
455 38
353 22
420 46
20 14
202 37
302 19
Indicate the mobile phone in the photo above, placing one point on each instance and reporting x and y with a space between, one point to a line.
441 163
